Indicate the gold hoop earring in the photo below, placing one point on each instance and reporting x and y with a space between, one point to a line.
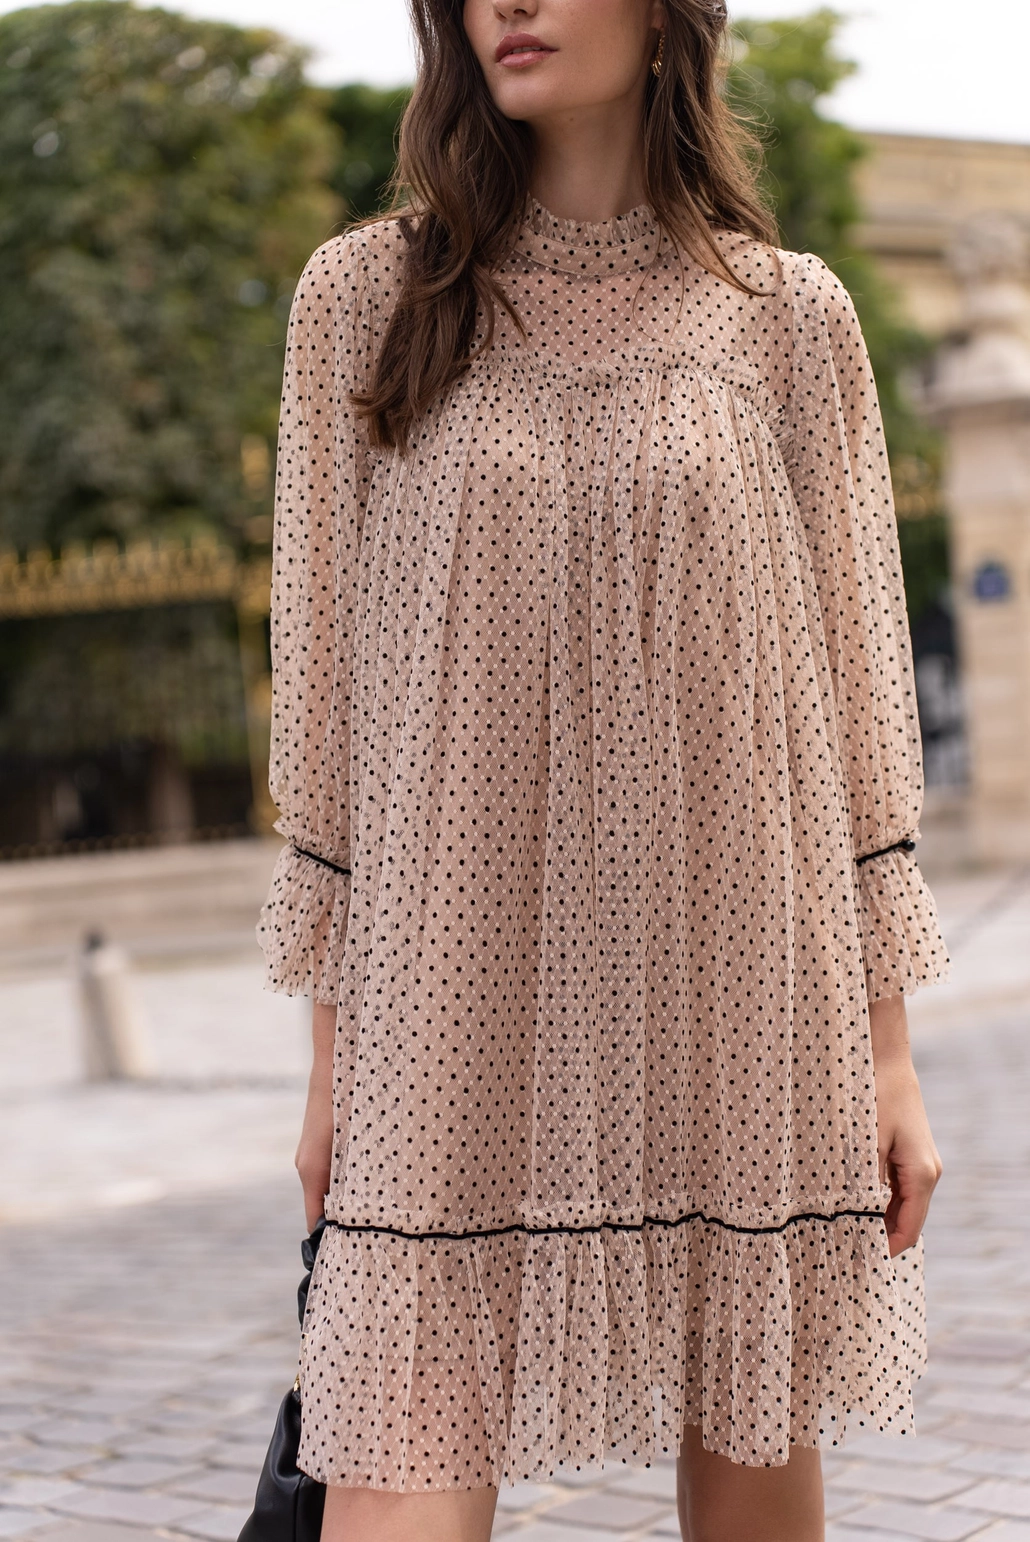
656 62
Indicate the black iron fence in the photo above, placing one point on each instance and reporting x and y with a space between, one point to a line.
134 697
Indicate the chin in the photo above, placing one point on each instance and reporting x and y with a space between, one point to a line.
524 100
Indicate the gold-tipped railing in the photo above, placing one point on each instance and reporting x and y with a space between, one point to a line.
151 573
108 577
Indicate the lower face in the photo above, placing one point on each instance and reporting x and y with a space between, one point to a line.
574 54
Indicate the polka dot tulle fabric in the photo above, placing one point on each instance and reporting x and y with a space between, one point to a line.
602 693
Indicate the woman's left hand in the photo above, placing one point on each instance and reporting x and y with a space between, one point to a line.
909 1160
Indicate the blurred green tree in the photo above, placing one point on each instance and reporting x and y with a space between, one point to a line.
780 73
162 181
368 118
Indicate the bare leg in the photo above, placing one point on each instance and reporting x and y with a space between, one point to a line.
446 1515
721 1501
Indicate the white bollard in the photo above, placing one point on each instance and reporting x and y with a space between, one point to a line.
114 1036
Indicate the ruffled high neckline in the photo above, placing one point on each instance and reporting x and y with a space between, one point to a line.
622 244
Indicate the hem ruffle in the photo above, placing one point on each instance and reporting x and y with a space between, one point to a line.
303 927
902 943
455 1364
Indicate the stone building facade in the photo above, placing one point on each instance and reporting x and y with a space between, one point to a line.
949 222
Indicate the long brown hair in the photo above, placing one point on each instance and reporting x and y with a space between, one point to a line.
464 171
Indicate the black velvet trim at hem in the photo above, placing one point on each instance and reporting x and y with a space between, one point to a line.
620 1226
322 861
906 845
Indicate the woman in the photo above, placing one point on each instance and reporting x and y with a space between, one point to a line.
596 749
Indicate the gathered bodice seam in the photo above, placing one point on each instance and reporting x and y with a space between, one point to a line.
770 415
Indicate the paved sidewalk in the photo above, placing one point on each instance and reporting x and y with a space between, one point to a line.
144 1346
224 1110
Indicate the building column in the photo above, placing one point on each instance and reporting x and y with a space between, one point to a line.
981 395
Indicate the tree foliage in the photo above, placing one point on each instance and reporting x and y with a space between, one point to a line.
162 181
367 117
781 72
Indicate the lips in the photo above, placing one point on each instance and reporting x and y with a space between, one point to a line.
522 44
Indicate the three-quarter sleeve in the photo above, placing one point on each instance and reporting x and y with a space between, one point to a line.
841 481
322 477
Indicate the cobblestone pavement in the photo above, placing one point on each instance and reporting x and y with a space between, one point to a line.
145 1348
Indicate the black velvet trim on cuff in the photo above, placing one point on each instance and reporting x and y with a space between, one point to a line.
905 845
322 861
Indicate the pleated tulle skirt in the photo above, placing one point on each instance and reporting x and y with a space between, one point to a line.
445 1364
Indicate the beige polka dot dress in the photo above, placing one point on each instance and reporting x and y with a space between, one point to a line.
595 741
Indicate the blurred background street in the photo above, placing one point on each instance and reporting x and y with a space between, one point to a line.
164 175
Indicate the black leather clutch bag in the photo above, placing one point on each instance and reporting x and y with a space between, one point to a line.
288 1504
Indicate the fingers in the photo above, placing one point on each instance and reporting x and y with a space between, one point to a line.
911 1192
907 1156
906 1222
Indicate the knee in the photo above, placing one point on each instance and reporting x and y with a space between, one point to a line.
380 1515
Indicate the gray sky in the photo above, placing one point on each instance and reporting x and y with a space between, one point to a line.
951 67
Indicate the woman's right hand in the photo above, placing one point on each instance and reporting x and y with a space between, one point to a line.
315 1149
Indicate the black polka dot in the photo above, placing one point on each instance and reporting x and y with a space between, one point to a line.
598 693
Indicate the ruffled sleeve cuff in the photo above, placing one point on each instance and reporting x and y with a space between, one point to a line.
303 927
902 944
